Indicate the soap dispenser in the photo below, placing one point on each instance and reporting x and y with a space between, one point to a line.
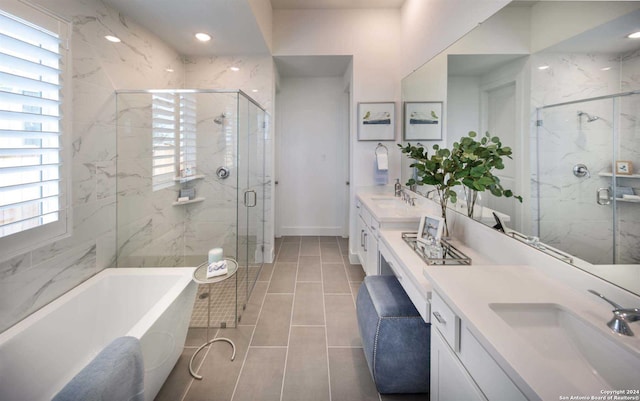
397 188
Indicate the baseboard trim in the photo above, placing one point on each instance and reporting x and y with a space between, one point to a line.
312 231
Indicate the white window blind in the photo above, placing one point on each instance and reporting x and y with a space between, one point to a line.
174 138
163 169
187 135
31 190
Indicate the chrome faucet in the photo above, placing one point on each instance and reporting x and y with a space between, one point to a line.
621 316
406 198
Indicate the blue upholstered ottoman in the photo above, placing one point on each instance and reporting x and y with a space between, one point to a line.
396 340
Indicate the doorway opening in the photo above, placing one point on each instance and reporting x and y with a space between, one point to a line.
312 146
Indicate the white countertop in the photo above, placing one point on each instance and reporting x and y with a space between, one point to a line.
414 264
402 213
469 291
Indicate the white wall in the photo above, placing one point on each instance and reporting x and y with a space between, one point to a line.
372 37
30 280
463 106
429 27
264 17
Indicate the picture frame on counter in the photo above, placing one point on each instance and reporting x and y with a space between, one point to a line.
430 229
376 121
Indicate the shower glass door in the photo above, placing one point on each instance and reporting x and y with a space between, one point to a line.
251 196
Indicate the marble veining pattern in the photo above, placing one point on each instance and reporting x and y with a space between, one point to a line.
31 280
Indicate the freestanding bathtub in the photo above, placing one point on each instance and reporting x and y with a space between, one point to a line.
43 352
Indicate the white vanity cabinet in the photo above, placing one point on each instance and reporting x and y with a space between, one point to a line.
368 240
461 369
449 379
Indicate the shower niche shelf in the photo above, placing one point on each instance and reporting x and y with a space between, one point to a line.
610 174
189 178
196 200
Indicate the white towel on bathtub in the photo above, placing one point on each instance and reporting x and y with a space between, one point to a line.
115 374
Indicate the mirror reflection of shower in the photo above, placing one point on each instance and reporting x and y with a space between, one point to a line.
590 118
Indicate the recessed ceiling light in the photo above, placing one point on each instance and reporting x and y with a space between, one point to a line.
169 70
543 67
635 35
605 68
113 39
254 90
234 69
203 37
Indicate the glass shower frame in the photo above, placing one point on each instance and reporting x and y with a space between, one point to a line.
600 187
226 129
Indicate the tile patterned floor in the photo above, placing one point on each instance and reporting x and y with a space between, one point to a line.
297 340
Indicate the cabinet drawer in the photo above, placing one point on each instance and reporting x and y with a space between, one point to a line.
366 216
446 321
486 372
375 227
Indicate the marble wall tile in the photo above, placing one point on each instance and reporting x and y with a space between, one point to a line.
630 75
93 142
98 69
30 288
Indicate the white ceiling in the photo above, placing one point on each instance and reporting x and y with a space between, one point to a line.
295 4
230 22
609 38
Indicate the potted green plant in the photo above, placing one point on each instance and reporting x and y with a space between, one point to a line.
478 160
469 163
439 170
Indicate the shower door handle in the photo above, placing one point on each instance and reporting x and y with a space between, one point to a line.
603 201
254 200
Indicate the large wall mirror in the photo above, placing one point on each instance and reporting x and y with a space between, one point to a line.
558 82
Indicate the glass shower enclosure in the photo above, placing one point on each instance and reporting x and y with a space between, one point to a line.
190 177
588 178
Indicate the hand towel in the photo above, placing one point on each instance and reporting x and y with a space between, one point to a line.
382 160
380 177
217 269
115 374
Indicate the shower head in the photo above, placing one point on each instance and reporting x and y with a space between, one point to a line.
220 119
590 118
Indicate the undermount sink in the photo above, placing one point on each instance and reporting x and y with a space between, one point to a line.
387 203
584 355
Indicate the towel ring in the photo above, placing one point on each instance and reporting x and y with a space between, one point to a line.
380 145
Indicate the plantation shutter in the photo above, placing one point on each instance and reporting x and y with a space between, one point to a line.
31 190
